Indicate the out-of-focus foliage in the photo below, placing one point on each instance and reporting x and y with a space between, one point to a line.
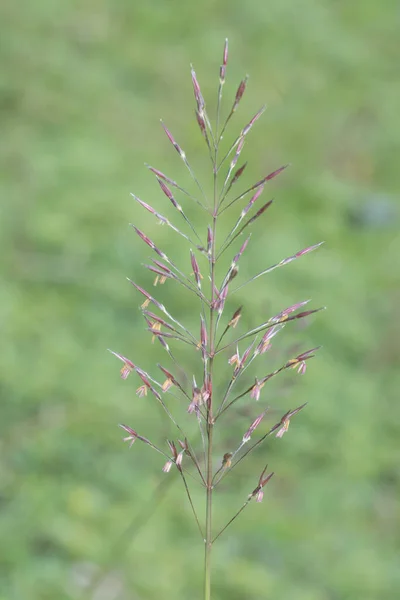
82 89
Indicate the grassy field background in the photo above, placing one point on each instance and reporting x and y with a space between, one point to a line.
82 89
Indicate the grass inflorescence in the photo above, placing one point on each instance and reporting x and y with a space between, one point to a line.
218 337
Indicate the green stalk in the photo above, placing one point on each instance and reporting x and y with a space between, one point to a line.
210 419
208 540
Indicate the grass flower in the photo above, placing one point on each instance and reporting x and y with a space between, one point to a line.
217 339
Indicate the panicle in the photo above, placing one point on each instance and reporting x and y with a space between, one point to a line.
200 397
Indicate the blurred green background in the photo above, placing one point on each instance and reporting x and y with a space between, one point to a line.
82 89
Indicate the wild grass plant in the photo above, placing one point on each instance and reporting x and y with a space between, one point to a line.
218 341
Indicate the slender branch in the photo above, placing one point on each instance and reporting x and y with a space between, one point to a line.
191 452
191 504
283 262
263 380
268 325
231 520
250 449
148 443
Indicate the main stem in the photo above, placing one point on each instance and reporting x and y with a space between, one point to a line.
208 540
210 418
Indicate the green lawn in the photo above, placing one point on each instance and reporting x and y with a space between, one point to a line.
82 89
